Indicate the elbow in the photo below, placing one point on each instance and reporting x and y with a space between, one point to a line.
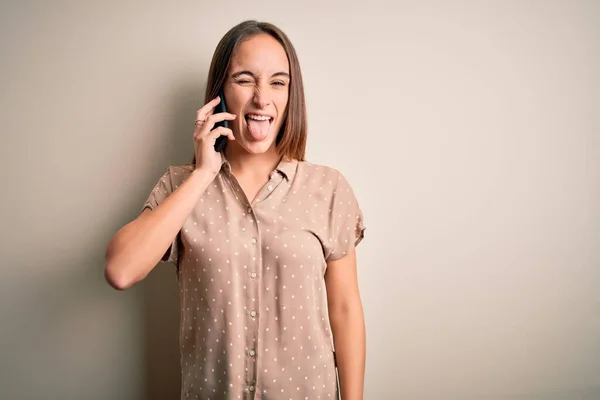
115 273
118 275
117 278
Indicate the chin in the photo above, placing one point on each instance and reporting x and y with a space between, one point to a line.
260 147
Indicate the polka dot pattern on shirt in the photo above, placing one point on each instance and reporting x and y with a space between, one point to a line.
254 322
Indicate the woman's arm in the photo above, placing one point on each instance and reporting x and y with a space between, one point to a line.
347 324
138 246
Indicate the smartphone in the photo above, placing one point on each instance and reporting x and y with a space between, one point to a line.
221 107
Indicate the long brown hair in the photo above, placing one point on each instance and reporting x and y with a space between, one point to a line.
291 139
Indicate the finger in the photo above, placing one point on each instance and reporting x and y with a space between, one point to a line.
211 120
214 118
220 131
215 133
203 112
198 128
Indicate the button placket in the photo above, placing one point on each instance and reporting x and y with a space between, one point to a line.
252 297
269 188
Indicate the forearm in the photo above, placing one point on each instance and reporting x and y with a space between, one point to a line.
348 328
137 247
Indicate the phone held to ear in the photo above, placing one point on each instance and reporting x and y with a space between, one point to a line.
221 107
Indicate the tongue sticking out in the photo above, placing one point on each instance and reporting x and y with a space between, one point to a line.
258 129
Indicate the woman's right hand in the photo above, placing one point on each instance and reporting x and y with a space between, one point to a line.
207 159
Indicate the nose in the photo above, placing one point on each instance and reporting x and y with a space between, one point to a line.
261 96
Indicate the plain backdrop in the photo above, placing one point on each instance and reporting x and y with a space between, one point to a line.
469 130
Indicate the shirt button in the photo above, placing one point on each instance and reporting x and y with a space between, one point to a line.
270 187
253 275
251 388
253 241
252 353
253 313
249 210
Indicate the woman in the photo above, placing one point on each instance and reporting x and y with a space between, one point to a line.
263 240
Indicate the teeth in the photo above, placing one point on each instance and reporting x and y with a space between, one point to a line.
259 117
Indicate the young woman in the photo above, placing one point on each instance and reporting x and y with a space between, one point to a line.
264 242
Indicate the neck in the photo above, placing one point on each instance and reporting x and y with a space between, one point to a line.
253 166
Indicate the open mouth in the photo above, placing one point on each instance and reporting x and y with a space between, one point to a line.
258 125
258 118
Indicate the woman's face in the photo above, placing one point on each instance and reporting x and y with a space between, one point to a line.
257 91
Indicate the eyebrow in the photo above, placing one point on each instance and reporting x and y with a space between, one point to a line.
246 72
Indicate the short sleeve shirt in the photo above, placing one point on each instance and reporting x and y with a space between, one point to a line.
254 321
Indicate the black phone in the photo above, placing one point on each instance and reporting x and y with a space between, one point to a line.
221 107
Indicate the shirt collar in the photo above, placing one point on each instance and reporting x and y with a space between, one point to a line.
285 167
